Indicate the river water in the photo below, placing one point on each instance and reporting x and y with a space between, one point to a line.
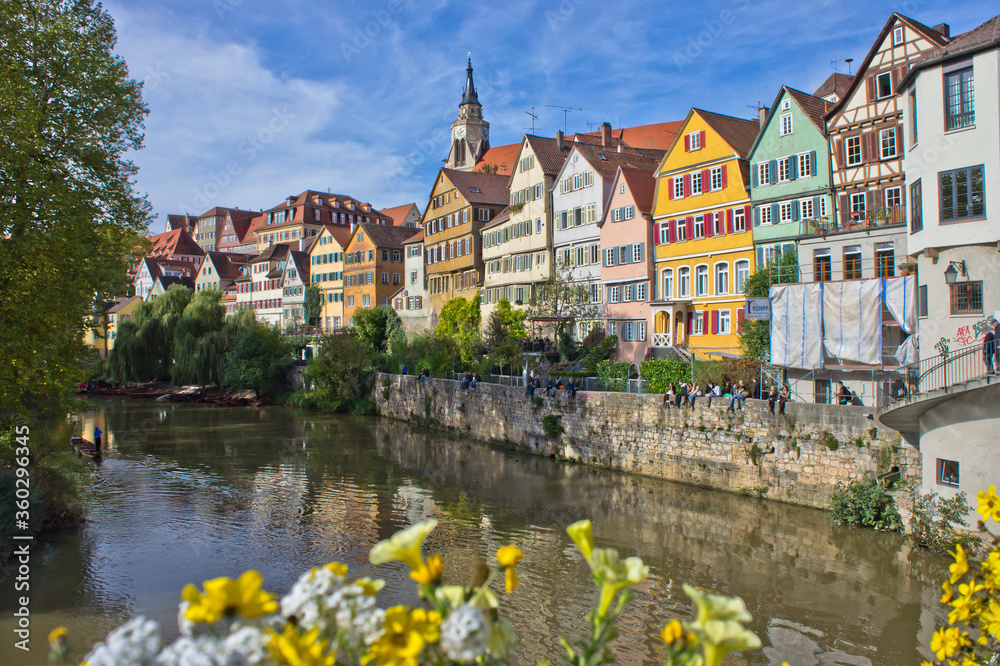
186 493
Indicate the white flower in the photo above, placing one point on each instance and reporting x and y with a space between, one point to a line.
464 634
135 643
252 644
246 647
306 601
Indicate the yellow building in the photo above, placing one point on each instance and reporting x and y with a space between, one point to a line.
702 235
326 259
119 313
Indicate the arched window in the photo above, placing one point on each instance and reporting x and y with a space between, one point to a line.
667 280
701 280
722 278
742 274
684 282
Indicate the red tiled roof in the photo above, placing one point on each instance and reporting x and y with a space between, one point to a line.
642 185
227 265
277 251
492 187
122 302
836 83
188 222
340 233
739 133
657 136
398 214
301 260
178 241
502 156
384 236
813 106
983 36
501 217
607 160
416 238
550 157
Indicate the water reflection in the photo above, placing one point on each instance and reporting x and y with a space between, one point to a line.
187 492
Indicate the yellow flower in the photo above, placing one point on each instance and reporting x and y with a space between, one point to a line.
948 592
947 641
614 575
508 557
405 636
965 603
403 546
582 536
430 573
337 568
371 587
672 633
57 633
960 566
294 649
989 504
225 596
989 619
991 571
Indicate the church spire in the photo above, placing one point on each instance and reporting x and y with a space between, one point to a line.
470 96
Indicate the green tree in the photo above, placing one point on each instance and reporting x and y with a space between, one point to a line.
200 341
340 370
562 301
505 332
312 306
488 168
377 326
459 320
755 336
71 225
144 349
258 359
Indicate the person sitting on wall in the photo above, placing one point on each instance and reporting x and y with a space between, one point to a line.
844 394
737 398
783 397
571 388
424 374
668 397
772 397
403 369
681 398
694 393
475 380
710 391
551 389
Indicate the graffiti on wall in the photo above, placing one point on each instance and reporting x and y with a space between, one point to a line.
966 336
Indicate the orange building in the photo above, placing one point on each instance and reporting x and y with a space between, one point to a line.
373 266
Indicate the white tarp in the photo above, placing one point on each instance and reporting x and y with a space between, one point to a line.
797 325
901 298
852 320
907 352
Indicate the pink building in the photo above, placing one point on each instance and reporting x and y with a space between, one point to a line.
627 268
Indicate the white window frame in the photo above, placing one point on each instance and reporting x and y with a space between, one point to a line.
805 165
678 187
684 282
694 141
722 275
763 173
786 124
696 183
725 321
741 268
897 35
698 230
878 84
886 151
847 150
899 196
640 291
702 280
715 176
699 324
784 169
739 220
806 211
764 214
667 283
785 211
863 208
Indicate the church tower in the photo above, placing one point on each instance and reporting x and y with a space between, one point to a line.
470 134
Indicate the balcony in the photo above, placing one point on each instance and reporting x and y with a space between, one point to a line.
848 222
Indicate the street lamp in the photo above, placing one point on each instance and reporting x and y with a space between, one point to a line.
954 268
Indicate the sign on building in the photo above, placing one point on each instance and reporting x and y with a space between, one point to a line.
758 308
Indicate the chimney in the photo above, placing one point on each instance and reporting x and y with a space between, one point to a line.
944 29
762 115
606 134
559 140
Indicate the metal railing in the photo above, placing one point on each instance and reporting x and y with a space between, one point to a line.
931 374
856 221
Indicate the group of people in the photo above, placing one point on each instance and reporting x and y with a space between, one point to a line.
686 394
470 380
534 383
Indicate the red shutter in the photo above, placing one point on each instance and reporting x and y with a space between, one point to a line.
706 180
725 179
673 230
656 234
702 138
838 150
895 77
870 85
670 189
746 217
687 184
704 322
690 323
739 319
709 225
690 228
715 322
687 143
729 221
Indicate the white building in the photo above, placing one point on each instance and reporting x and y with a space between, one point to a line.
411 302
294 281
266 289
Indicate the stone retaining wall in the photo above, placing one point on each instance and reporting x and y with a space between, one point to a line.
798 458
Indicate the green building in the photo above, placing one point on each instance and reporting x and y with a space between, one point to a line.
791 191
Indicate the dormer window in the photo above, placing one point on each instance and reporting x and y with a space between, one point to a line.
694 141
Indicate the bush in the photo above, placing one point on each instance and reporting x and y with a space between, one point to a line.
865 503
258 360
933 519
552 426
614 375
602 351
340 371
660 374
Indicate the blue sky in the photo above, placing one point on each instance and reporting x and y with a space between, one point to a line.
253 100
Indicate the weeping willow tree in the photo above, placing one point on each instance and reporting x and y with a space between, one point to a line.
200 341
144 348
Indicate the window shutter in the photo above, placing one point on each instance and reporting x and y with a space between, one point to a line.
706 180
795 210
844 207
690 227
739 319
756 217
812 163
656 234
709 225
725 178
870 86
775 212
746 215
715 322
687 143
702 138
704 322
687 184
753 174
690 323
816 205
899 141
670 189
838 149
895 77
793 164
673 230
729 221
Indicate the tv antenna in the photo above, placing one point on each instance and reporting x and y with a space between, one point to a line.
565 110
756 107
835 63
533 119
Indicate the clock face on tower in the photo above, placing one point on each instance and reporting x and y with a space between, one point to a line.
460 132
486 134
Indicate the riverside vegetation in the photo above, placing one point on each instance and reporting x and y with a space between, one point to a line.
326 618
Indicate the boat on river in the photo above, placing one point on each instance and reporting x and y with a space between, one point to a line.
84 447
